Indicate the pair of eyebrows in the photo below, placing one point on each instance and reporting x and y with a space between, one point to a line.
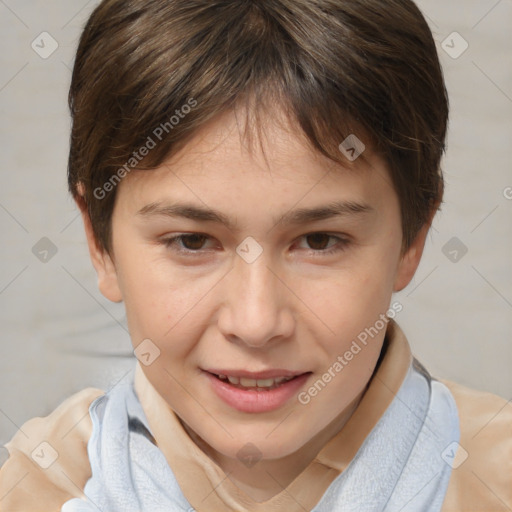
296 217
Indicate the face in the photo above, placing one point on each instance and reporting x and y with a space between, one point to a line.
252 279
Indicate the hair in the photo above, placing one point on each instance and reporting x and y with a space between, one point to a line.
150 73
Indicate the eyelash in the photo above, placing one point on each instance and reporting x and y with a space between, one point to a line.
172 242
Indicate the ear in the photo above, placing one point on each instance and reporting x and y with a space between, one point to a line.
101 260
411 258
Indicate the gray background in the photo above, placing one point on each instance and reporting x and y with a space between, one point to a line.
59 335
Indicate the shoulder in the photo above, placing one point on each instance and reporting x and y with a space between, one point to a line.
482 471
48 462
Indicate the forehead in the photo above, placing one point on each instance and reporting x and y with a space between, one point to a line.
225 160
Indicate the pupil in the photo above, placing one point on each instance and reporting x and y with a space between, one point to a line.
193 242
318 238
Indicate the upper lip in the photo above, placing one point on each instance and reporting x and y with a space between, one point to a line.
265 374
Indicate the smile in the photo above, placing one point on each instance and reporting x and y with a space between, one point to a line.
256 392
254 384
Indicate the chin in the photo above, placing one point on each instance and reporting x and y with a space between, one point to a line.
261 444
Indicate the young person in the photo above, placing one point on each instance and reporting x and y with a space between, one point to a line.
256 180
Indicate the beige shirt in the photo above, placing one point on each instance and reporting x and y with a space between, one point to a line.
482 482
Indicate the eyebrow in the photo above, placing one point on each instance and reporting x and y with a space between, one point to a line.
294 217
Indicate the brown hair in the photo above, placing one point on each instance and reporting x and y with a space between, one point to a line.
336 67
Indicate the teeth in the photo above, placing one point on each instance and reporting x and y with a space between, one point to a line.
247 383
254 383
265 383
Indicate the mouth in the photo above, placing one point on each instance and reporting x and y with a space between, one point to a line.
256 391
253 384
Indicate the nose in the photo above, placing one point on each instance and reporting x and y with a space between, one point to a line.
258 306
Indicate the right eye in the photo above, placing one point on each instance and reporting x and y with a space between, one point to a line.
186 243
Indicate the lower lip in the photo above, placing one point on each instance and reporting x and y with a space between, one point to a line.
256 401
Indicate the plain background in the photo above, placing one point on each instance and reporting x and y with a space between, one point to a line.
59 335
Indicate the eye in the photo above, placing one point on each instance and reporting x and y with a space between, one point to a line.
319 243
186 242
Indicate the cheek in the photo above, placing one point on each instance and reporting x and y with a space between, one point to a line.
353 309
160 301
349 302
352 305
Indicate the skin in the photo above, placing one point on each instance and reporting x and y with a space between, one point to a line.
296 307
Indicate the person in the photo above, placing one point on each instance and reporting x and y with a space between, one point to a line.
257 181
